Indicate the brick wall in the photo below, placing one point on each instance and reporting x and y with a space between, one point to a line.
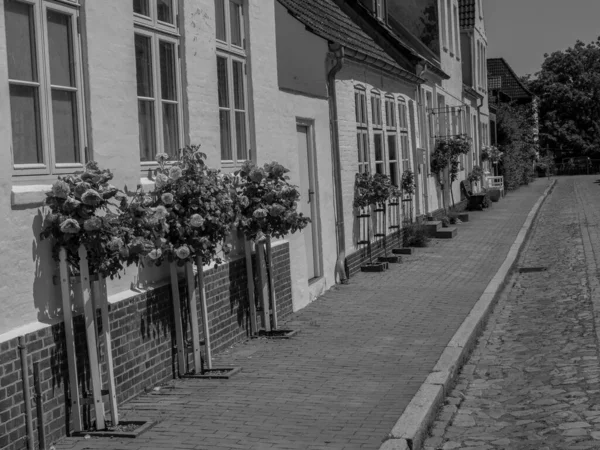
361 256
143 343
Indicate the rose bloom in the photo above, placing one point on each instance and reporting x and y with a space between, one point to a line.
160 212
115 244
259 213
92 224
196 221
175 173
60 189
244 201
161 180
182 252
276 210
70 226
91 197
155 254
167 198
162 157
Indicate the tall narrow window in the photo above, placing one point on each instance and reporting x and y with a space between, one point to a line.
45 86
444 26
392 139
403 128
378 147
450 26
232 81
362 133
456 32
158 78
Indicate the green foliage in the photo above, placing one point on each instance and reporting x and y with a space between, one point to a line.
569 98
475 175
373 189
517 140
407 184
415 235
84 209
491 153
546 165
189 213
446 156
267 202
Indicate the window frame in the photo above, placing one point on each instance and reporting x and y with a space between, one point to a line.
49 166
403 141
456 31
158 31
153 22
362 129
450 26
230 52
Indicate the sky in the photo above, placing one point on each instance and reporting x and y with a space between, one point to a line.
521 31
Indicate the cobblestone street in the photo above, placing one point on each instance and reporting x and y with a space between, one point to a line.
533 381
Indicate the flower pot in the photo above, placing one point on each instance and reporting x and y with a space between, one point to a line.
494 194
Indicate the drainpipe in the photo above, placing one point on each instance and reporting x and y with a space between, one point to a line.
340 266
425 145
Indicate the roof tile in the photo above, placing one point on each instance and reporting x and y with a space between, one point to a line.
502 76
467 13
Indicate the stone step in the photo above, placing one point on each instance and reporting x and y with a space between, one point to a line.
433 226
402 251
464 217
446 233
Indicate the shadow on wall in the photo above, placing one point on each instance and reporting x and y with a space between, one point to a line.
46 295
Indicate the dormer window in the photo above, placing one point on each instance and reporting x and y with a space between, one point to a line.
380 10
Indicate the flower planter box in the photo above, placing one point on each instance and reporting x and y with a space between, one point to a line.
216 373
390 259
402 251
463 217
125 429
374 267
278 334
494 194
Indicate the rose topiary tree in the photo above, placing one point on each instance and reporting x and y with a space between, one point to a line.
267 202
85 209
446 156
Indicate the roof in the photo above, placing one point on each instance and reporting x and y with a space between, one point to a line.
502 76
325 19
467 11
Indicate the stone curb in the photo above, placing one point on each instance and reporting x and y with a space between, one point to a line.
410 430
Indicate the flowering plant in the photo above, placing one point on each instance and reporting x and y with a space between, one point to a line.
491 153
475 175
188 214
267 202
84 210
407 182
446 153
362 190
381 188
373 189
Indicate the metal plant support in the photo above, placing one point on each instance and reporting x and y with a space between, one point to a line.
364 230
380 225
394 206
94 294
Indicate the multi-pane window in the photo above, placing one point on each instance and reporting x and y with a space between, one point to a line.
232 60
403 126
450 26
362 132
158 78
46 86
378 146
456 32
392 139
444 26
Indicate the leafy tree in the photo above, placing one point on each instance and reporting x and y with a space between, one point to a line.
517 140
568 88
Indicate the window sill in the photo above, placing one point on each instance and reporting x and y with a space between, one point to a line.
29 196
445 49
147 184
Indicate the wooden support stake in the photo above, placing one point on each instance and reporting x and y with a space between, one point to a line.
263 289
272 284
178 325
70 338
204 312
250 276
102 298
90 332
191 288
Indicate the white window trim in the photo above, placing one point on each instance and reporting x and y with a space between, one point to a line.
450 27
50 167
362 129
153 22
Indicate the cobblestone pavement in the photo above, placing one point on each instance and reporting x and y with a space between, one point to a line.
362 353
533 381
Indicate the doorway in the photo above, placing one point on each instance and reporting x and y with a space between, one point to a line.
309 198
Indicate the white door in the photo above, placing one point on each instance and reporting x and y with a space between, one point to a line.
308 199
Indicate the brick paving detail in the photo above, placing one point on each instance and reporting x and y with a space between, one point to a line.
533 381
362 352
